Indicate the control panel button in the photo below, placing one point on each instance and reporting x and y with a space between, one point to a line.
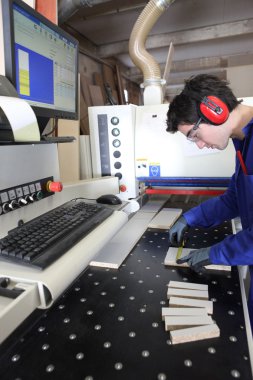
39 195
6 208
117 165
22 201
14 204
54 187
115 120
123 188
116 143
119 175
29 198
115 132
117 154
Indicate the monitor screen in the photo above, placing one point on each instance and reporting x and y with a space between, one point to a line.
41 60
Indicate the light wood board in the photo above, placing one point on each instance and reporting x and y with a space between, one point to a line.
171 255
187 285
194 333
187 293
181 322
191 302
182 311
165 218
118 248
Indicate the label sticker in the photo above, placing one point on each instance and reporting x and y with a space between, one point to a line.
154 170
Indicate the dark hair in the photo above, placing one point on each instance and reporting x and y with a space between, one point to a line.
184 107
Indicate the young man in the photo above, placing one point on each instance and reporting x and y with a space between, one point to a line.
208 114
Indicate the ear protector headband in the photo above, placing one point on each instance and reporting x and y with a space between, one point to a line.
213 110
210 108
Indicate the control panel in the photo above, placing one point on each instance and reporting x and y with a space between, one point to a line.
24 194
112 146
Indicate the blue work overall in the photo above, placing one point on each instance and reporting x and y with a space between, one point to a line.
236 201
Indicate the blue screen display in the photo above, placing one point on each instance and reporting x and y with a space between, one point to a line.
41 87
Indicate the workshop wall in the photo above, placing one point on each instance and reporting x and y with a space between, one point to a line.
240 79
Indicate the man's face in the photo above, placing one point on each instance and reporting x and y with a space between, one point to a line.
206 135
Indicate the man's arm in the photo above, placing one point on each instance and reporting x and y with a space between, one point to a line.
215 210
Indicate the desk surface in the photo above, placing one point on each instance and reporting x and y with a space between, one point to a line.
108 325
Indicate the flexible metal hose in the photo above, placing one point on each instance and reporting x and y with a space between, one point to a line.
141 58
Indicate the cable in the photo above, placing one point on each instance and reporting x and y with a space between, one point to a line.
55 128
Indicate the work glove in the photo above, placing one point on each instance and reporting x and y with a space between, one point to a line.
176 233
197 259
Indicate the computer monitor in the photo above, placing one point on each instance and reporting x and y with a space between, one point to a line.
41 61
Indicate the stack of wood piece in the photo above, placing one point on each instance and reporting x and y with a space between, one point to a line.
188 317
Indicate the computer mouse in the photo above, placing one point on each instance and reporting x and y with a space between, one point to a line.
109 199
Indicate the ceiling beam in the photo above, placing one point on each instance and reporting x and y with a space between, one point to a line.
187 67
108 8
230 29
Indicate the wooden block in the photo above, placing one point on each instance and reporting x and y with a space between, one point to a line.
69 154
47 8
84 118
191 302
120 85
187 285
165 218
98 80
182 311
187 293
108 75
84 84
180 322
96 95
115 96
194 333
171 255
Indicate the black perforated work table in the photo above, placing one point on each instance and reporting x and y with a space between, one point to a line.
108 325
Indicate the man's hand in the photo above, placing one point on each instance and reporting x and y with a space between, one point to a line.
197 259
176 233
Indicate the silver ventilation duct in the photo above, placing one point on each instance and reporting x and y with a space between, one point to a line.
153 82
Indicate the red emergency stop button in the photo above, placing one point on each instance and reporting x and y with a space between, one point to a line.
123 188
55 187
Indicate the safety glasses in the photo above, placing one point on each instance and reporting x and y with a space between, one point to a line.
192 135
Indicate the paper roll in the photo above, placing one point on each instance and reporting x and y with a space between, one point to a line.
21 118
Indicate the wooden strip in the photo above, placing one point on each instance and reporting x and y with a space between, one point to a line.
190 302
194 333
165 218
96 95
48 8
118 248
182 311
179 322
171 255
187 285
98 80
188 293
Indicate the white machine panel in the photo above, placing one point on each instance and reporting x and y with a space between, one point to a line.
162 154
112 145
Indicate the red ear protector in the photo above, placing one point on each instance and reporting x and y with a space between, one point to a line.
213 110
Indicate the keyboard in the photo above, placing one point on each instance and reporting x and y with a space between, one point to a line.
43 240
